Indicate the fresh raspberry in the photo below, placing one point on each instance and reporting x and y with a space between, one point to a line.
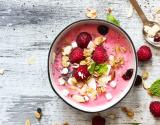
144 53
98 120
83 39
99 55
76 55
155 108
157 37
81 73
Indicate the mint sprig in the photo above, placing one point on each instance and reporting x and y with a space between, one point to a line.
112 19
155 88
99 68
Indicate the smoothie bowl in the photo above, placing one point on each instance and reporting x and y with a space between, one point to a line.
92 65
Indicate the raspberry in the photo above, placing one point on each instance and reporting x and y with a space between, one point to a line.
76 55
83 39
99 55
81 73
98 120
103 30
128 74
155 108
144 53
157 37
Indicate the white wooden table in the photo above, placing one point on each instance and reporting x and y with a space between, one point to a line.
27 29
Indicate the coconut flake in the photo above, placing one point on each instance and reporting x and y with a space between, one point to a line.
108 96
113 84
64 71
74 44
61 81
92 83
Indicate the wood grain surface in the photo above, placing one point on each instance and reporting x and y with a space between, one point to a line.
27 29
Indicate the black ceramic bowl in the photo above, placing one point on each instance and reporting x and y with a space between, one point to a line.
51 58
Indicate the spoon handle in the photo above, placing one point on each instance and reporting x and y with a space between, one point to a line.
139 11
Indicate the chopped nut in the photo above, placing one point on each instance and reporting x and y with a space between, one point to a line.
61 81
86 98
37 115
72 81
101 89
83 90
87 52
130 11
88 60
65 61
75 65
128 112
78 98
91 13
83 62
66 123
146 86
145 75
92 83
2 71
31 60
91 45
27 122
99 40
64 71
113 75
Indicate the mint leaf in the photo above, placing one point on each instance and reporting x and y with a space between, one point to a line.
101 68
155 88
112 19
92 68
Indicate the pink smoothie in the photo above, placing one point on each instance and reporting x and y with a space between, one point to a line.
113 38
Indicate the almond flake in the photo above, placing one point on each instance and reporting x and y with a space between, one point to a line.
99 40
130 11
83 90
75 65
78 98
146 86
145 75
66 50
91 13
2 71
83 62
92 83
72 81
91 45
27 122
31 60
86 98
87 52
65 61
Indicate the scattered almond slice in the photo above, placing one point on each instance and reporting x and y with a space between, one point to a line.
74 44
146 86
31 60
128 112
2 71
75 65
87 52
37 115
91 13
91 45
83 62
27 122
99 40
65 61
72 81
78 98
145 75
130 11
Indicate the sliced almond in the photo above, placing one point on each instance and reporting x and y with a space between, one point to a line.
99 40
65 61
66 50
87 52
146 86
91 13
27 122
83 62
78 98
145 75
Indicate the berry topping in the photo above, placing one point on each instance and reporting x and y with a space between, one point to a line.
99 55
103 30
128 74
76 55
138 80
155 108
144 53
81 73
157 37
83 39
98 120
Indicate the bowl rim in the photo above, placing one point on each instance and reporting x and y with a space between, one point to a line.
135 54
